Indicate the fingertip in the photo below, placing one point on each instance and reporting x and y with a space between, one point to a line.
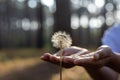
42 57
45 56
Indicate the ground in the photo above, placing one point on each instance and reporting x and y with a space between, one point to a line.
16 65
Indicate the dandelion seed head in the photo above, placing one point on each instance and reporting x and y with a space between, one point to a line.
61 40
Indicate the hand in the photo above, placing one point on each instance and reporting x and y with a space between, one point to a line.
82 57
68 52
97 59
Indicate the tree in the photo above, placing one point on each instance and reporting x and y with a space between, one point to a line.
62 16
40 40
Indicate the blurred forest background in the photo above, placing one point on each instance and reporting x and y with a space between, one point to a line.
26 27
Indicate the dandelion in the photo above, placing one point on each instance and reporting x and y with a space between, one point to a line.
61 40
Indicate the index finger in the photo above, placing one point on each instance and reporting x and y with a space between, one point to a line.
70 51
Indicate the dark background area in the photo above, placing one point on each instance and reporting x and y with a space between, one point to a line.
31 23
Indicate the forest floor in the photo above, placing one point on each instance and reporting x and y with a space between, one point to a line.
15 64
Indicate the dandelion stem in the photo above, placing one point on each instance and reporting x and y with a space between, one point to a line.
61 40
61 51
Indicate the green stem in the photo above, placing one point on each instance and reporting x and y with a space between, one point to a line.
61 51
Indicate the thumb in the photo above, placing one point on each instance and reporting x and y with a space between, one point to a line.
102 52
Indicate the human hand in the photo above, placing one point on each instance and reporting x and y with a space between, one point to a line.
82 57
68 52
97 59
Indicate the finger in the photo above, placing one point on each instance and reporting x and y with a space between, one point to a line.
68 59
103 47
50 58
70 50
83 60
100 54
54 59
106 50
68 62
46 57
86 54
83 52
63 53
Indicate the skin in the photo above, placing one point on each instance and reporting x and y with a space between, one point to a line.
102 64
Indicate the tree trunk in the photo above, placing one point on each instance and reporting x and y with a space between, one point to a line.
62 16
40 38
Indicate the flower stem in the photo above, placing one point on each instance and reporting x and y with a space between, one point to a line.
61 51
